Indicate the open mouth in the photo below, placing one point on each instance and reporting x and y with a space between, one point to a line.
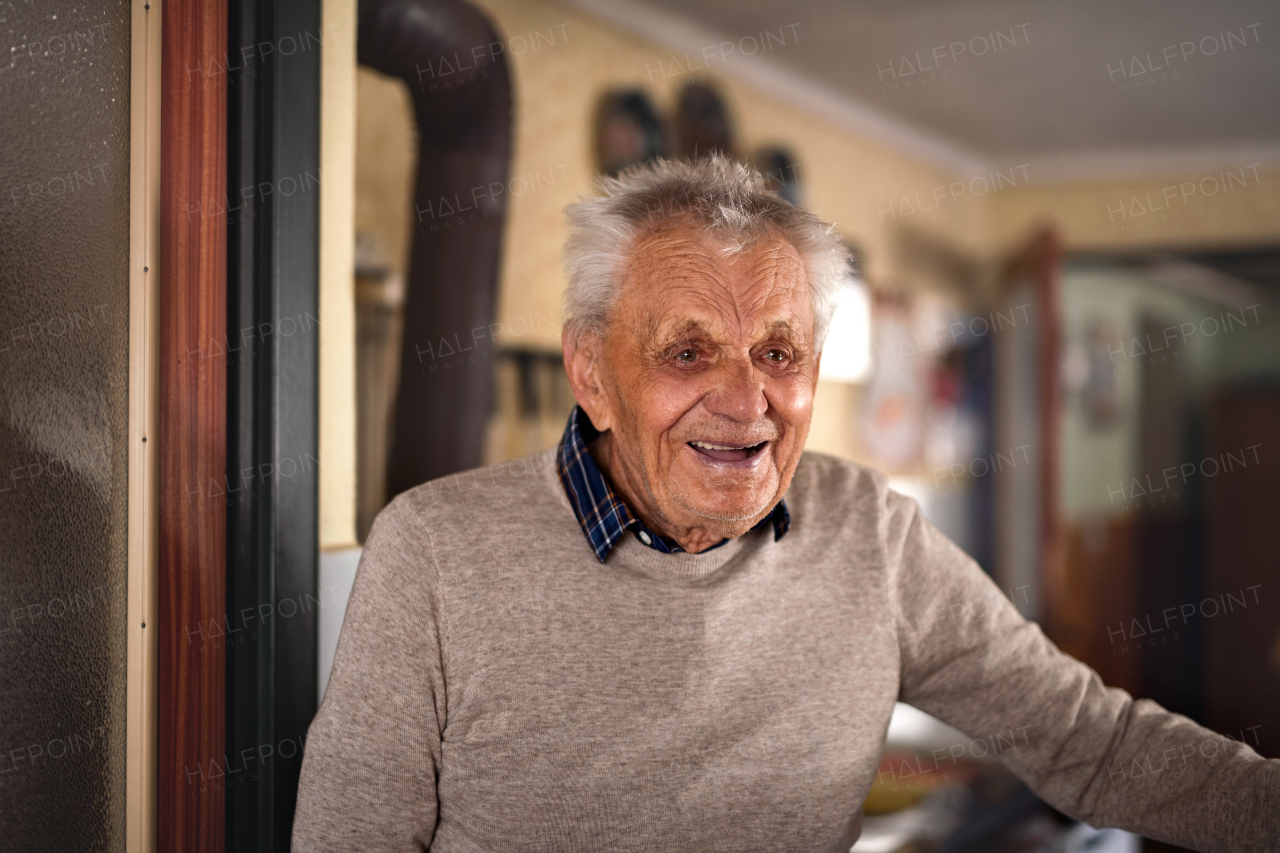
728 452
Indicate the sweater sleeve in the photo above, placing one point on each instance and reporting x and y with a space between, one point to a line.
1093 752
372 754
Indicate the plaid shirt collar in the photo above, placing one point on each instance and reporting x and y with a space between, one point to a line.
602 514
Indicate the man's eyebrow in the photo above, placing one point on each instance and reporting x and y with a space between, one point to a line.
656 334
689 328
782 329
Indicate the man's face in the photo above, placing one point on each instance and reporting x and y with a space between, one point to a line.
705 377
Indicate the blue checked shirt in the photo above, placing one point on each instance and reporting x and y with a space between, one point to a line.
602 514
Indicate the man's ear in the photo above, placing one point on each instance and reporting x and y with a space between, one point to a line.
582 364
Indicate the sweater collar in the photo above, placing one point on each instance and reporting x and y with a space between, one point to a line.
603 515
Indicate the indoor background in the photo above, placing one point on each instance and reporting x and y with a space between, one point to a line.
318 241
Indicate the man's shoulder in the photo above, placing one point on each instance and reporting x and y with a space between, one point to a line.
522 491
462 528
490 489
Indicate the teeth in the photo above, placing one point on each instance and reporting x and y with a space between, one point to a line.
709 446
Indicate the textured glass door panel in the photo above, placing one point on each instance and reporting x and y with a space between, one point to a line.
64 252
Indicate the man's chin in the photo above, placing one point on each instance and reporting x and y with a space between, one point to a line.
728 518
729 502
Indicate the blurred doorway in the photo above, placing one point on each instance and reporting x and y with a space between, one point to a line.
1170 407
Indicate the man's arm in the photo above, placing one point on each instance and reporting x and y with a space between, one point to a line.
373 751
970 659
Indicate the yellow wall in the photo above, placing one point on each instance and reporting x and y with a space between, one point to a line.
337 469
386 165
1239 205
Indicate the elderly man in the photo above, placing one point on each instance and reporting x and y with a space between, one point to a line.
678 632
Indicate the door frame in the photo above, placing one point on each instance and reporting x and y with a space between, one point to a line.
144 275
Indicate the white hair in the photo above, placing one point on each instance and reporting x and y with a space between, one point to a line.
726 198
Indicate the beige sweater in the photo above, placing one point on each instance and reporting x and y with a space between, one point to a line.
497 689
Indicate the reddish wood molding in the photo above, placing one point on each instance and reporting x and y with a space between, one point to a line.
192 448
1047 272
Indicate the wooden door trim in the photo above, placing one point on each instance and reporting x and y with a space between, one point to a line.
191 444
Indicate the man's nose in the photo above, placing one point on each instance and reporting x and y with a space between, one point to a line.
739 392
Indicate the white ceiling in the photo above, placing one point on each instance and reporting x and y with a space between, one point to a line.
1049 100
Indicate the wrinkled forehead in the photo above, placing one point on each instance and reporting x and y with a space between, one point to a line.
682 279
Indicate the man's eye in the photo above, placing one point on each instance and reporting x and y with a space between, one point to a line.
776 355
686 356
